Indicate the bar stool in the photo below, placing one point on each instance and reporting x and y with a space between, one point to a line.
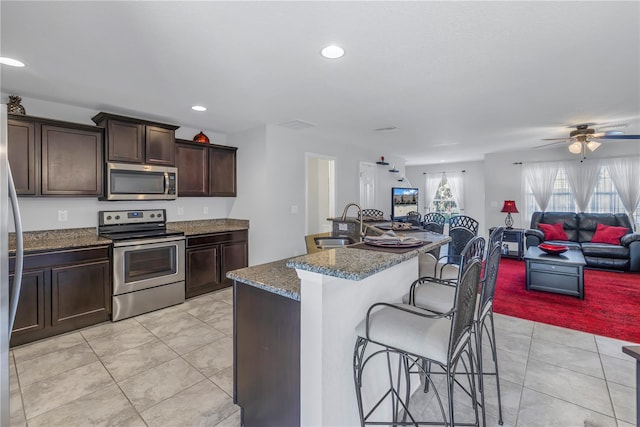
418 339
438 296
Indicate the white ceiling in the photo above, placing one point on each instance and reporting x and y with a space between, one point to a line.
458 79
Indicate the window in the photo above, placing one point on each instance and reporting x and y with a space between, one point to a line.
444 202
605 198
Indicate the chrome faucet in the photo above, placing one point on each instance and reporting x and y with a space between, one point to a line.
344 216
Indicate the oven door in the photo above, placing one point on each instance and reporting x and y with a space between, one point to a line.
147 263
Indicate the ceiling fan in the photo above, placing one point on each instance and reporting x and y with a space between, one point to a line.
587 137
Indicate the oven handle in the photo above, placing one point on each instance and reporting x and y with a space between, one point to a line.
147 241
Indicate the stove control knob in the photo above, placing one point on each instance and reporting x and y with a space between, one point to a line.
108 217
117 216
159 215
152 216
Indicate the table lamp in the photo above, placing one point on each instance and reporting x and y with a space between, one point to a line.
509 207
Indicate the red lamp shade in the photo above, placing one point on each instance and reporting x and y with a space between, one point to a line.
509 206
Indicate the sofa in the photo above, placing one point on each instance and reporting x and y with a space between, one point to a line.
580 229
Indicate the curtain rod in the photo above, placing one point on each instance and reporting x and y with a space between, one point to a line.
438 173
581 160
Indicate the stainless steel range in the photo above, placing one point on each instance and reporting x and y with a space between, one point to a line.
148 261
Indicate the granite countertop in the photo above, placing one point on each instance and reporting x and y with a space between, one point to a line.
85 237
280 277
357 264
274 277
58 239
208 226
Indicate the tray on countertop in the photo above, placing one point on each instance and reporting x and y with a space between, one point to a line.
397 249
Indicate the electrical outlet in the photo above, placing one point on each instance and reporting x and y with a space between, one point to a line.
180 210
205 210
63 215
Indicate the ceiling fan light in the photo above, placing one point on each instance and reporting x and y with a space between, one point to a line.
575 148
593 145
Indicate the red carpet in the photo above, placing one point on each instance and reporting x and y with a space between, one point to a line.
611 305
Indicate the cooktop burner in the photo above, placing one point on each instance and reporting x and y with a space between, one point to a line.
134 224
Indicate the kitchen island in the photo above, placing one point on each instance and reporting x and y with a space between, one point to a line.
294 330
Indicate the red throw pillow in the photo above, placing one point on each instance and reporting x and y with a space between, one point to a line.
553 231
608 234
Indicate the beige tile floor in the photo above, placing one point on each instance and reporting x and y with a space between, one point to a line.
174 367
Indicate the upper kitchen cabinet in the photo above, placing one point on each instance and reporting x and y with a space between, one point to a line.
205 170
222 171
134 140
23 157
55 158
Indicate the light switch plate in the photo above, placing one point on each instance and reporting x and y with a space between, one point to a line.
294 209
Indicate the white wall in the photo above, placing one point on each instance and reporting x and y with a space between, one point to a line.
503 179
271 179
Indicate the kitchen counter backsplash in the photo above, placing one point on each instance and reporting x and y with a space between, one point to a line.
84 237
206 226
58 239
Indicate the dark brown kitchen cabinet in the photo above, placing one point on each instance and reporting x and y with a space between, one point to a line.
222 171
205 170
54 158
132 140
71 162
193 168
23 144
210 256
62 291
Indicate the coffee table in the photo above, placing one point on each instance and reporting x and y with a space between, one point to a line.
562 274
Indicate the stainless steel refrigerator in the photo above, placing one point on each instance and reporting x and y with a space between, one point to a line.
8 303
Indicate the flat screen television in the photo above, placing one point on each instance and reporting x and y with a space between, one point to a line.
403 201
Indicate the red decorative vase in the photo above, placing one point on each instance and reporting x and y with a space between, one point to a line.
201 137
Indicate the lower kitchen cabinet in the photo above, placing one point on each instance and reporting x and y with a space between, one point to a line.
61 291
210 257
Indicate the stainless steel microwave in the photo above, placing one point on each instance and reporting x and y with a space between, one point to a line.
140 182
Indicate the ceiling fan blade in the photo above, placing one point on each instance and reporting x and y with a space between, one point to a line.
557 139
614 125
550 144
620 137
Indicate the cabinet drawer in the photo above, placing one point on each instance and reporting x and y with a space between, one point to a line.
208 239
559 283
564 269
510 237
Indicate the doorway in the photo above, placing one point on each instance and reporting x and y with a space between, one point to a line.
321 193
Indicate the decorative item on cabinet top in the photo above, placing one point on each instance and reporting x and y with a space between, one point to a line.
14 106
201 137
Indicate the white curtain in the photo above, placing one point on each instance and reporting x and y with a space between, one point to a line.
540 177
582 177
456 185
431 185
625 174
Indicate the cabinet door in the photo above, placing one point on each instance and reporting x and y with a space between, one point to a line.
160 146
233 256
31 313
192 165
202 270
71 162
222 171
125 141
23 157
80 294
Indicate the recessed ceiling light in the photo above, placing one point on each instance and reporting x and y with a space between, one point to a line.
10 61
199 108
332 52
441 161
